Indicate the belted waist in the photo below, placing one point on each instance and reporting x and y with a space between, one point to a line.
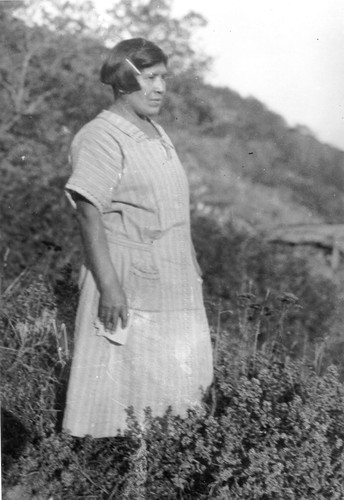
152 236
125 242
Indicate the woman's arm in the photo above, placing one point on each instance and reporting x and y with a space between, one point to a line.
112 302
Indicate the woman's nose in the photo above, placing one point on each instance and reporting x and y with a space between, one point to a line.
159 84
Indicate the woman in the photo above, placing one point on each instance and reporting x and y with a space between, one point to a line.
132 202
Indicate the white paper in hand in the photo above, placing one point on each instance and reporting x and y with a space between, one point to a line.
118 336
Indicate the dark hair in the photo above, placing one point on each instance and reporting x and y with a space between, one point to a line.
117 72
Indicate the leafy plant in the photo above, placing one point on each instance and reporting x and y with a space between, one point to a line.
271 428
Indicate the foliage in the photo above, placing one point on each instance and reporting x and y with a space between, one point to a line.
270 429
153 19
279 440
244 273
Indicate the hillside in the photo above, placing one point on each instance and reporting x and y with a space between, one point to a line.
245 160
244 163
247 168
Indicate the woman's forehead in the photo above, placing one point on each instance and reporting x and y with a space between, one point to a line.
156 69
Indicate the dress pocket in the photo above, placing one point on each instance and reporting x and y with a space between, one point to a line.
144 284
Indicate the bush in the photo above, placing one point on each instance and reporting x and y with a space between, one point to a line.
277 434
251 280
272 428
282 436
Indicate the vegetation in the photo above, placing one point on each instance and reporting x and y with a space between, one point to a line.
272 426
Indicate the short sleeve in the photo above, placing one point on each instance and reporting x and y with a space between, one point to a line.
96 159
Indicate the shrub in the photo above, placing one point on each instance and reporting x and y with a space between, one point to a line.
280 436
235 265
272 428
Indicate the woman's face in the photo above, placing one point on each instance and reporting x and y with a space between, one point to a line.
148 100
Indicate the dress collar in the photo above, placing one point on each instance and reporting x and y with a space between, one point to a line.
129 128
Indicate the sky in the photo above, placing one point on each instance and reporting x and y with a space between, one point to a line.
289 54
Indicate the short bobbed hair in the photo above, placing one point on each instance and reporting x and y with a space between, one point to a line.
117 72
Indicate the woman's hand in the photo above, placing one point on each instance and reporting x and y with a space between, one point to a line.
112 307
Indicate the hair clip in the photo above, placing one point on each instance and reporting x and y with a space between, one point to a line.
133 66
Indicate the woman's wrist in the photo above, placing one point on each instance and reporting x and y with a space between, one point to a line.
111 282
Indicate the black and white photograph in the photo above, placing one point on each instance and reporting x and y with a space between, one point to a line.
172 249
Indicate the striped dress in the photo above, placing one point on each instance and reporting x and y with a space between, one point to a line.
141 189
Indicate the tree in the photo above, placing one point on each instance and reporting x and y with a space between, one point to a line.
153 19
50 46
